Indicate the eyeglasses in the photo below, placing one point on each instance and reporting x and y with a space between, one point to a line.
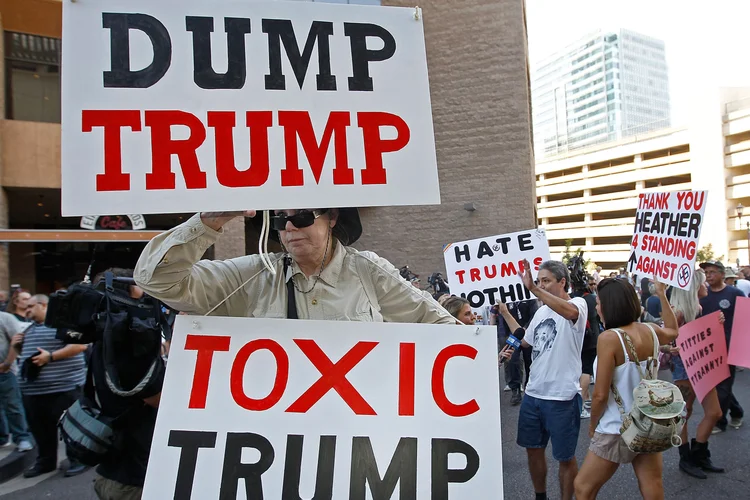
303 218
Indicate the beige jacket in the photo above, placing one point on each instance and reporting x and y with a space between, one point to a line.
169 269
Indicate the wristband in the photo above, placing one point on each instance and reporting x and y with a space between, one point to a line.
51 357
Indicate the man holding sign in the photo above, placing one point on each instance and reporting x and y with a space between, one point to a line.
551 407
723 298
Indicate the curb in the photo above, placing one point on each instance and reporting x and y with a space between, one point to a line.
15 463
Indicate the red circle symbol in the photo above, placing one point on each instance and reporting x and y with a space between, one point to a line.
683 277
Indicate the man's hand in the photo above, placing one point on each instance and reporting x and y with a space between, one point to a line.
505 354
16 340
4 367
660 288
216 220
528 280
502 309
42 358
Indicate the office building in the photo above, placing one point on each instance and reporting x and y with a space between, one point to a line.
606 86
589 197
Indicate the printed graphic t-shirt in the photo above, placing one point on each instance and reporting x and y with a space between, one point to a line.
556 353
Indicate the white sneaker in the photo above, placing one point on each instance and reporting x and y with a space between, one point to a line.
735 422
585 413
25 445
506 389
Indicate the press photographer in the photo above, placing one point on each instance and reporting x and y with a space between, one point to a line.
125 377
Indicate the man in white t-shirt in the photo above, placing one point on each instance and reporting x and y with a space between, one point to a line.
551 407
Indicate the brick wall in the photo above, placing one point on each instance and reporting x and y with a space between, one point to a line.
477 61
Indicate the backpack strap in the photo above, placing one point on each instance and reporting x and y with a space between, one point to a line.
365 277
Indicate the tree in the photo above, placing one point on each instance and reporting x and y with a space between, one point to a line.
707 253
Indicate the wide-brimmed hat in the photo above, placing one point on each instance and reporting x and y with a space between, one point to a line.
347 230
730 273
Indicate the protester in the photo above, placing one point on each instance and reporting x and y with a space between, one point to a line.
121 476
694 458
722 298
596 276
653 307
325 279
588 352
730 277
460 309
52 374
10 394
620 309
551 407
19 305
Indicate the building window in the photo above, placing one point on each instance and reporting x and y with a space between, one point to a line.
32 77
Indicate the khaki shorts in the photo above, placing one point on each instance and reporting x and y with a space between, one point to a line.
106 489
611 447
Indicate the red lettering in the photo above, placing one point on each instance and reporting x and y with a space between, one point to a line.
237 375
333 376
375 146
113 178
537 262
163 147
460 274
227 174
507 269
406 376
206 345
489 274
438 381
298 124
474 273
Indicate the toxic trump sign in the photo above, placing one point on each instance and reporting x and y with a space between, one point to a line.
268 408
181 106
667 231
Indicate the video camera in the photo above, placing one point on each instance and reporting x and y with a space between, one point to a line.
578 277
438 284
86 313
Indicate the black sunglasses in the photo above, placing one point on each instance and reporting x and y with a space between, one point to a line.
303 218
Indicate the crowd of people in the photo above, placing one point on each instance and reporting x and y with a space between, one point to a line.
577 332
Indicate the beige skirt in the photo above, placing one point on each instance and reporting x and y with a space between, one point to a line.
611 447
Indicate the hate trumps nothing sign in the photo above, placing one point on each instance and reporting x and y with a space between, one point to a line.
180 106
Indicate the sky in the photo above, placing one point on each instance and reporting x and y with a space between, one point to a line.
706 42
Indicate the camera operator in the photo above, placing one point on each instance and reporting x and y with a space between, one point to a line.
121 475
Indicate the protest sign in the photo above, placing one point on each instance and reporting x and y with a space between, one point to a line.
703 350
665 240
488 269
739 345
268 408
182 106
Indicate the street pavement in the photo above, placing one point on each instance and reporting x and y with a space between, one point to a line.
730 450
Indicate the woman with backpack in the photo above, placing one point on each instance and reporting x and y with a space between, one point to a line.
695 459
620 347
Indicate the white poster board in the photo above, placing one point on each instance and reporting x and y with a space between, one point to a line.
400 407
666 234
488 269
180 106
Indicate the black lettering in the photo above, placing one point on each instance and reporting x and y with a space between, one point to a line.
442 476
189 443
281 31
484 249
464 252
682 230
293 466
490 292
475 298
362 56
524 242
639 217
504 243
120 74
364 471
507 295
204 75
674 223
694 226
234 469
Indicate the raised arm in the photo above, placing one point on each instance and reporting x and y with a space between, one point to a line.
561 306
170 269
671 328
